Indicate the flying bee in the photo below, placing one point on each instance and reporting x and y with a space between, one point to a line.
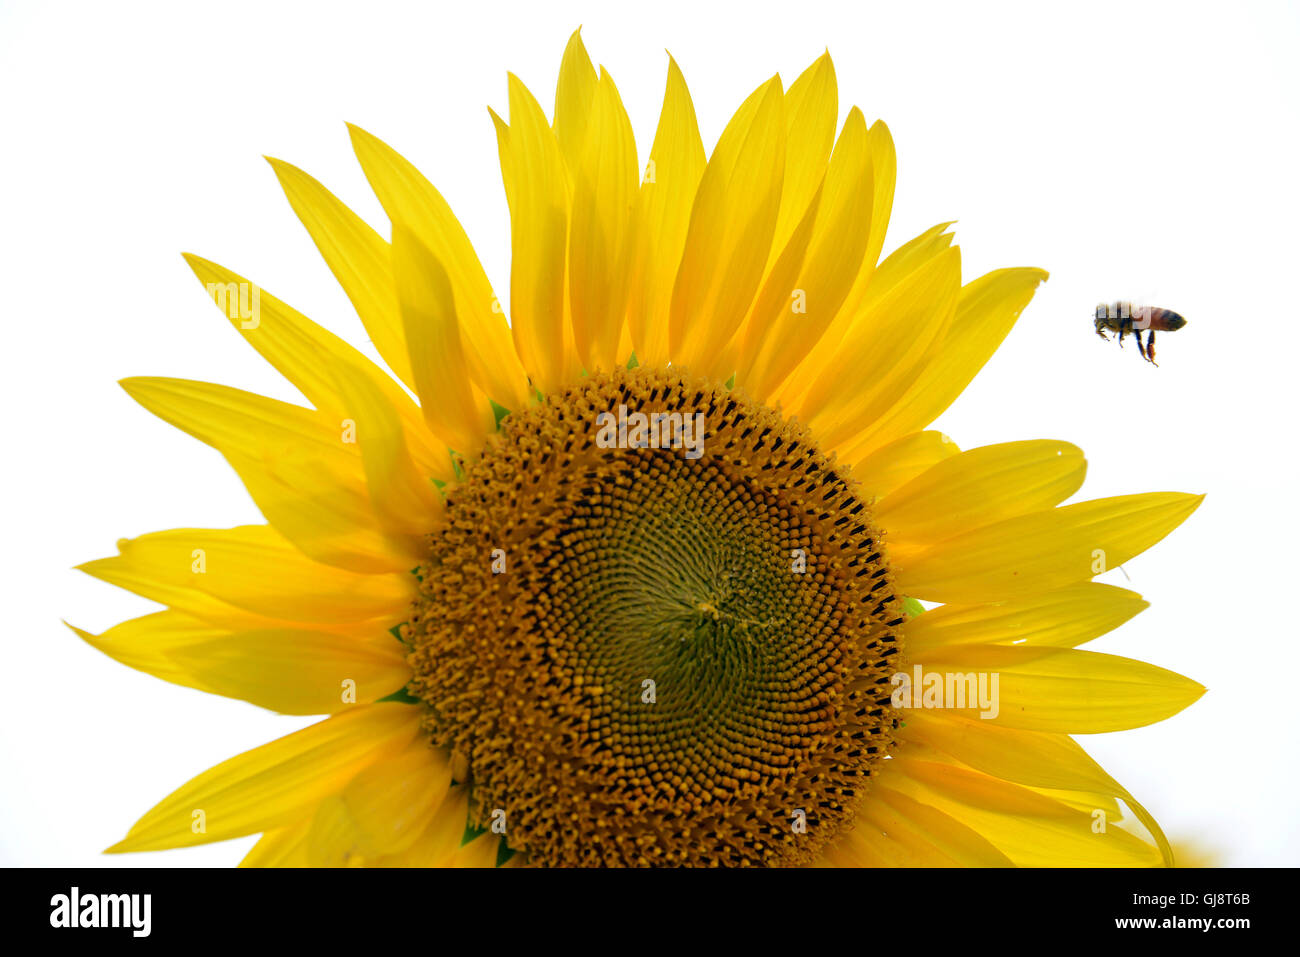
1125 318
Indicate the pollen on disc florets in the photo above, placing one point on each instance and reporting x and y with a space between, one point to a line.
658 655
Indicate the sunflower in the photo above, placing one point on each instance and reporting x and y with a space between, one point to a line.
637 576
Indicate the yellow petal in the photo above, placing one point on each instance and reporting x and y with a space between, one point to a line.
1100 793
410 199
147 644
304 353
900 264
1032 829
1064 690
662 219
981 486
358 257
730 235
296 672
1088 802
276 784
884 351
392 803
482 851
799 312
243 424
283 847
762 335
573 98
1063 618
911 834
401 496
896 464
1044 550
884 172
337 538
305 475
439 842
454 411
858 848
537 189
288 670
605 189
872 285
1032 758
226 576
333 840
811 109
987 308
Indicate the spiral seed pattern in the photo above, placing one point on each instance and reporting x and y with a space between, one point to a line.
674 659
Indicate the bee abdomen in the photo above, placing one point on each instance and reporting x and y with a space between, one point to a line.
1166 320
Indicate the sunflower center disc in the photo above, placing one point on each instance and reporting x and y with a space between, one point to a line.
670 654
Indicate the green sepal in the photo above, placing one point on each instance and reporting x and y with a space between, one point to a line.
401 696
499 412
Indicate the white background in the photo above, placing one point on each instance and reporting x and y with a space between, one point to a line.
1134 150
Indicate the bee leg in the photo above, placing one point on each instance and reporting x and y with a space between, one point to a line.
1151 348
1121 337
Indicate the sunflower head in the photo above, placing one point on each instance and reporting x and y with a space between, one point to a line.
636 576
662 641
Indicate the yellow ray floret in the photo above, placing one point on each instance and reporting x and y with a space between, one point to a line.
662 219
1044 550
1064 618
230 575
731 228
411 201
289 670
273 785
